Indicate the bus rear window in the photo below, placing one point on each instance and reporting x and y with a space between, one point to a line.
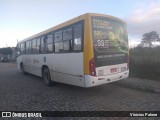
110 41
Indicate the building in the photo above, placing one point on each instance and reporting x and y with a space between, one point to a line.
12 56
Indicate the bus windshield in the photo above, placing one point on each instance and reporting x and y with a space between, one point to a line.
110 41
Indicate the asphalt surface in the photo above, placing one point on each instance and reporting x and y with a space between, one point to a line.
20 92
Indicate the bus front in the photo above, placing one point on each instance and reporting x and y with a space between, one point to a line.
109 40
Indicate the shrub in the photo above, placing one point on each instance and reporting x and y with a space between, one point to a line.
145 62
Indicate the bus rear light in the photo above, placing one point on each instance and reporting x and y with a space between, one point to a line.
128 61
128 64
92 68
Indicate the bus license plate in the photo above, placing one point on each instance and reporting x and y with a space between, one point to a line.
112 70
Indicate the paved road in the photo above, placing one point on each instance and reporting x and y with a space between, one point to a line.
25 93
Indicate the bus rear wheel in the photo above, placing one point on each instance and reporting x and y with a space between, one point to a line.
46 77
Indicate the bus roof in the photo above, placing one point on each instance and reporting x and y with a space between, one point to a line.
74 20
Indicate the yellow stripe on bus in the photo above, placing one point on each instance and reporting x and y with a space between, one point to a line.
88 44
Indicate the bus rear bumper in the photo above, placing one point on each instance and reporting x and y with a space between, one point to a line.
91 81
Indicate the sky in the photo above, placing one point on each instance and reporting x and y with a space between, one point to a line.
20 19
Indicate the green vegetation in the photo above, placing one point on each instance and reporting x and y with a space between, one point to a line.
149 38
145 62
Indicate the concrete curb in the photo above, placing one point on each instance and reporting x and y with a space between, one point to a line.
147 88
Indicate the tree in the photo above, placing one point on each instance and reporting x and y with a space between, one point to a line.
149 38
6 51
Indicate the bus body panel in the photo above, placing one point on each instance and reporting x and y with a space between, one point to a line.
91 81
68 68
88 45
64 68
33 63
109 59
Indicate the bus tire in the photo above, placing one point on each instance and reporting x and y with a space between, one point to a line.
46 77
22 69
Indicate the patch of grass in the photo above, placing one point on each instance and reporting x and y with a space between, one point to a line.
145 62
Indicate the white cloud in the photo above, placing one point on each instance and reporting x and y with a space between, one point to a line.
145 18
9 38
133 43
134 40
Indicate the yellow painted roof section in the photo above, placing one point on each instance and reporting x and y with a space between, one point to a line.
74 20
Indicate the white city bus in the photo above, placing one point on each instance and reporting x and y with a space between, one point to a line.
89 50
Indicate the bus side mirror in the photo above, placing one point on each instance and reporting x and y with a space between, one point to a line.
17 53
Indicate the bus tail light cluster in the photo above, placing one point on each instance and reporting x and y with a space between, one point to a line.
92 68
128 63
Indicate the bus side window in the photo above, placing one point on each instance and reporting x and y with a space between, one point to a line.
67 39
58 47
77 37
58 41
38 46
43 45
23 46
27 47
49 42
34 46
30 47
